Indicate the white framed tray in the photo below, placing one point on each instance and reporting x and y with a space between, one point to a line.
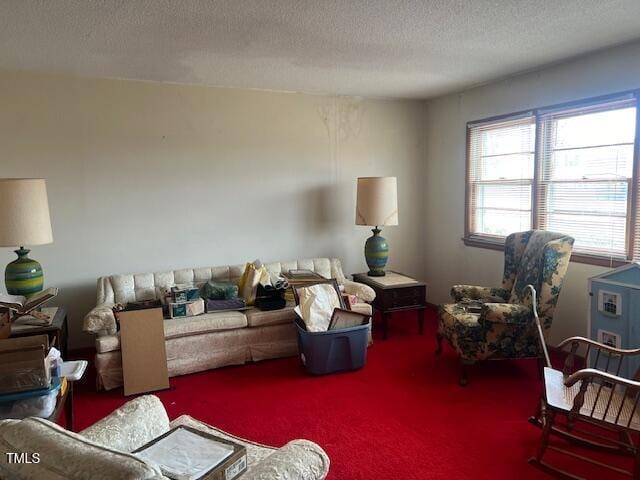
73 370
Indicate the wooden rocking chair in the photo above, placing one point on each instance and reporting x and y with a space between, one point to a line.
600 407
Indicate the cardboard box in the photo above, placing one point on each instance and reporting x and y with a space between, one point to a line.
22 364
186 309
184 293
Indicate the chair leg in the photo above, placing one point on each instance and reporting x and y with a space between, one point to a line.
547 425
464 367
636 466
536 418
540 368
439 340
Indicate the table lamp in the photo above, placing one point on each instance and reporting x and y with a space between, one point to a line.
377 205
24 220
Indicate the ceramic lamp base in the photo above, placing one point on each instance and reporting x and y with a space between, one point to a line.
23 276
376 253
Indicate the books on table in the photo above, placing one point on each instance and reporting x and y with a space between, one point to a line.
23 305
298 277
185 453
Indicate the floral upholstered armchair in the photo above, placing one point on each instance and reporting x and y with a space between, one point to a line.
498 323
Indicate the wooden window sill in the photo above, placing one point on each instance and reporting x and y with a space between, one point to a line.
497 244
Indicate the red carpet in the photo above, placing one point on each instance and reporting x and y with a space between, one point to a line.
401 417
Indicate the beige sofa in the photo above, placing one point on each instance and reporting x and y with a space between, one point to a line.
102 451
211 340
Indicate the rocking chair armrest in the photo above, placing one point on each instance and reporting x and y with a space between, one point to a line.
506 313
591 374
593 343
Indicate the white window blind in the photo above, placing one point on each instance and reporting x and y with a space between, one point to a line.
586 175
501 168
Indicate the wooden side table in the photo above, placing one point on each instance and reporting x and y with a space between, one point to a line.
396 292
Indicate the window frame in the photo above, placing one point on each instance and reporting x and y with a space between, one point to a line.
632 238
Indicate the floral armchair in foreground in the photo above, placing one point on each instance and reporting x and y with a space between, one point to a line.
497 323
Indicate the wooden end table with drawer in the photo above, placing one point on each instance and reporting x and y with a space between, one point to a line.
396 292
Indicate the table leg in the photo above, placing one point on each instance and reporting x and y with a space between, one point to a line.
421 320
386 316
68 407
64 339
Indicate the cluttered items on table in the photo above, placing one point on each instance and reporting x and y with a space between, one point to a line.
18 307
23 305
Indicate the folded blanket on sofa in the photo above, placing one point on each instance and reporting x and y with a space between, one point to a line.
230 304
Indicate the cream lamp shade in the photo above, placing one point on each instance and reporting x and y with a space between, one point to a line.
377 201
24 212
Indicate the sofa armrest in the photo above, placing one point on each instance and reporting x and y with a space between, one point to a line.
131 426
299 459
100 320
506 313
461 293
65 455
362 291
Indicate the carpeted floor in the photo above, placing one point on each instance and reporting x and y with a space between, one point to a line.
401 417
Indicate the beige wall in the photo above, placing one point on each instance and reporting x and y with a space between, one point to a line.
448 261
148 176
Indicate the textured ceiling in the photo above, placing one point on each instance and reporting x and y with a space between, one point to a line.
410 49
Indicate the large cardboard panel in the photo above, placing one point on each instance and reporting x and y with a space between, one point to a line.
144 357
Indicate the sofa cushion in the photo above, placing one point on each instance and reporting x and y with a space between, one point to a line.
258 318
180 327
363 308
65 455
208 322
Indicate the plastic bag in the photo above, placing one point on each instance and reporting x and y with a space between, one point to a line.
317 303
54 361
219 290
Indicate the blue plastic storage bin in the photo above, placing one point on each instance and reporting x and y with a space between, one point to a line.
333 350
31 403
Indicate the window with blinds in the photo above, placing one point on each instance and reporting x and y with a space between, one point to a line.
566 169
501 167
587 174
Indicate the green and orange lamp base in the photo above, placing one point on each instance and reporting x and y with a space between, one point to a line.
376 253
24 275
